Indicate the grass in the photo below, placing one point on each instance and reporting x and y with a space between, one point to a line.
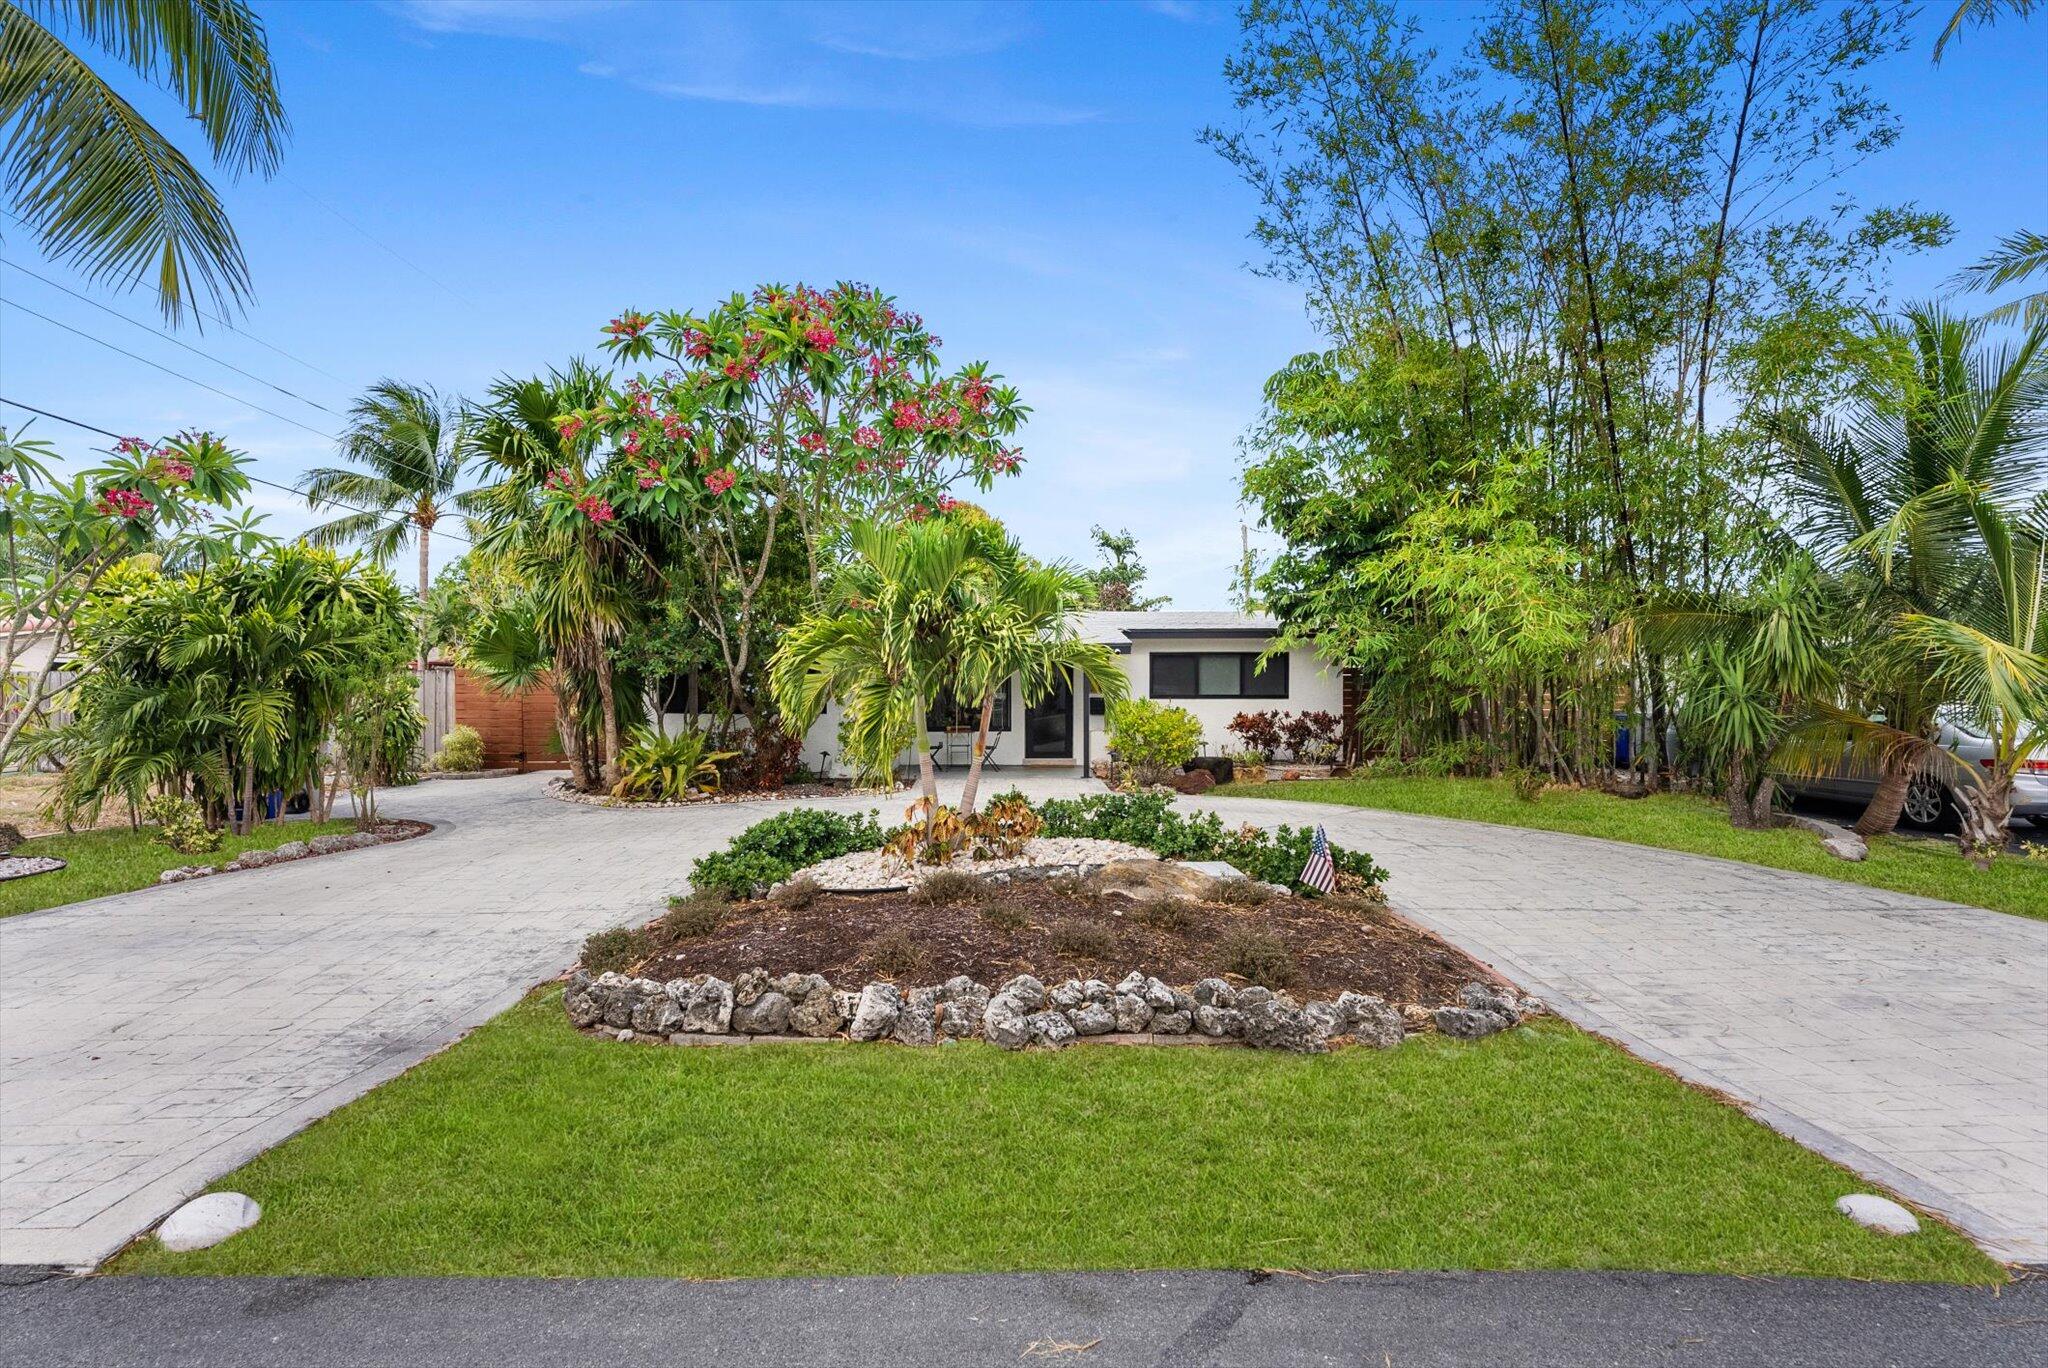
118 861
1930 868
531 1149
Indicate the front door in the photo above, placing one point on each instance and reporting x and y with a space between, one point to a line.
1049 725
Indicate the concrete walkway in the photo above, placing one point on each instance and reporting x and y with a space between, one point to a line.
152 1041
1096 1320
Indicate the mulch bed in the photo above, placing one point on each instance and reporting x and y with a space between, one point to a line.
1334 944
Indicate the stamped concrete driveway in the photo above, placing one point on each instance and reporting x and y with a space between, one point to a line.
152 1041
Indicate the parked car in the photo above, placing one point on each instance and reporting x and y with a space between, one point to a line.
1930 798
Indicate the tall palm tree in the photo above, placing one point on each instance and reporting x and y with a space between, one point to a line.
96 183
2018 256
1021 622
406 444
1930 488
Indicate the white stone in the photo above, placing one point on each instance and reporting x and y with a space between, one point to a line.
875 870
1879 1213
208 1220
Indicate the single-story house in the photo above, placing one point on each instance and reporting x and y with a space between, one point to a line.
1207 663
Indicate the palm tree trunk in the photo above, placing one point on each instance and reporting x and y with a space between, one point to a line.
1889 800
927 783
424 534
570 732
1985 809
1740 813
972 788
1760 814
610 758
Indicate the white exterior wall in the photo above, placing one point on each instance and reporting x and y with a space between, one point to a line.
1312 686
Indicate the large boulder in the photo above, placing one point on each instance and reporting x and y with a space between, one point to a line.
962 1004
874 1015
1133 1013
1162 997
767 1014
1465 1023
1214 992
1007 1022
208 1220
581 1000
917 1023
1050 1029
817 1011
1172 1023
710 1009
1372 1020
1026 991
1151 881
1065 997
1272 1025
1220 1022
656 1013
1092 1018
749 986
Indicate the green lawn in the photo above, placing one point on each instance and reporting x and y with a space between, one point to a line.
531 1149
118 860
1931 868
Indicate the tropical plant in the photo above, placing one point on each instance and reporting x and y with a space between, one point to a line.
1977 14
1114 584
1020 623
181 824
1929 488
228 686
2018 256
63 537
885 643
97 184
1154 739
658 768
405 449
1151 821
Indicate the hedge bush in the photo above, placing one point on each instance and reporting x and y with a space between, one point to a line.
768 852
1150 820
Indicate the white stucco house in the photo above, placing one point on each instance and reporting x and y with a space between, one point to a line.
1207 663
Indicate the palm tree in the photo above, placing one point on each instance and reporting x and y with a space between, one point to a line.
2017 257
581 583
1021 623
1929 487
95 182
1978 13
407 442
885 642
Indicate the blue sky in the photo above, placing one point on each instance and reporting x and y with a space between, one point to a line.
473 188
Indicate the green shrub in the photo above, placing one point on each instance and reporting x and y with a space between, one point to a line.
768 852
661 769
181 825
700 914
462 751
1152 738
611 951
1259 956
1150 820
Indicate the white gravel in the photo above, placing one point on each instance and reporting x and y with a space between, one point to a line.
21 866
869 871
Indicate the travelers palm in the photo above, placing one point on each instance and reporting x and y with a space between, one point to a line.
95 182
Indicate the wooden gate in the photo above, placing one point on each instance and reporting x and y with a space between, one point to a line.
518 728
437 706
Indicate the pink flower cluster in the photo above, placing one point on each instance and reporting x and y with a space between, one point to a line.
696 343
560 478
908 414
569 425
821 337
947 503
628 325
595 509
720 480
865 436
177 472
632 442
135 446
1005 459
674 428
975 393
812 442
124 503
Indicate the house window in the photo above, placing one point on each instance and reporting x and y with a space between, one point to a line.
949 711
1217 674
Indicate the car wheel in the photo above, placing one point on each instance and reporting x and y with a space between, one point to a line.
1927 804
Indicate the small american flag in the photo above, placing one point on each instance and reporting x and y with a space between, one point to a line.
1320 873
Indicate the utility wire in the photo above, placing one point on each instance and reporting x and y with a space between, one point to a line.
252 479
176 375
138 280
175 341
453 293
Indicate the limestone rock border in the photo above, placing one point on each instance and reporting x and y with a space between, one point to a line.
329 843
559 790
1024 1012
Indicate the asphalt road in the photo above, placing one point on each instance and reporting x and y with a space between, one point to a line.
1091 1320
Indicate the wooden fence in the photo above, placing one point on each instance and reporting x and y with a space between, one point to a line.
518 728
437 706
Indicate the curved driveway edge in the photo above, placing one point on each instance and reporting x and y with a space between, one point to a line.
152 1041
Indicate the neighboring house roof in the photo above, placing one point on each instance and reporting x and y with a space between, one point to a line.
1118 630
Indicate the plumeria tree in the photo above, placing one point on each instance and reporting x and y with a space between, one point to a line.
781 418
65 534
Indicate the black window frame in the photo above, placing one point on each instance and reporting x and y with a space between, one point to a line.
946 707
1252 682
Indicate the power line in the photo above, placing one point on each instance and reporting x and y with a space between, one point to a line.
176 375
175 341
252 479
137 280
453 293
